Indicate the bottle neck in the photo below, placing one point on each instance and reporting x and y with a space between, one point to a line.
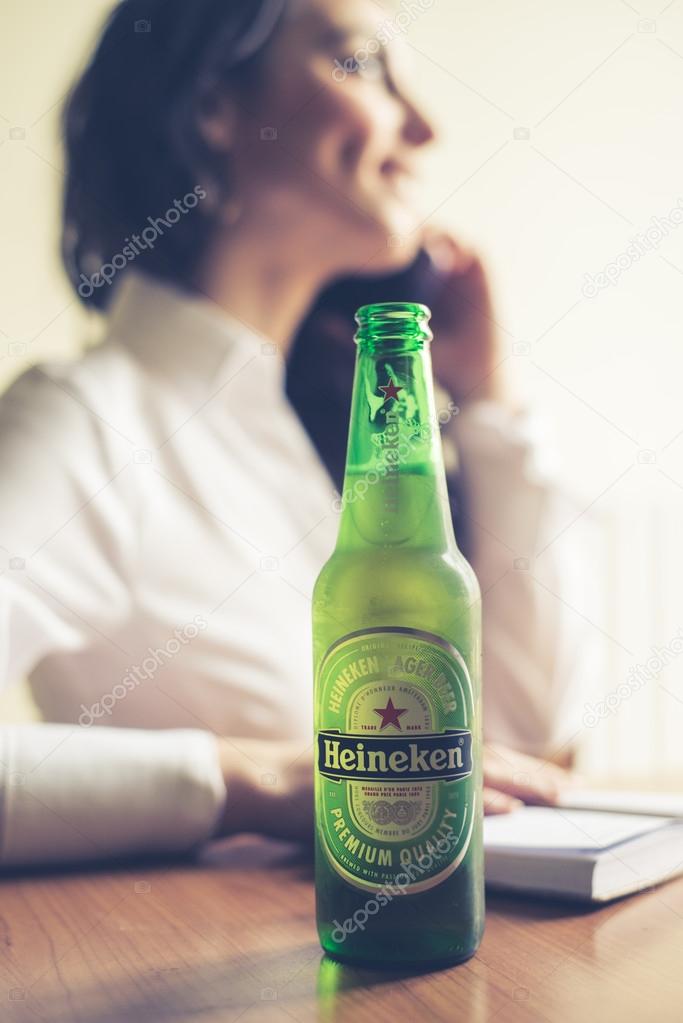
395 491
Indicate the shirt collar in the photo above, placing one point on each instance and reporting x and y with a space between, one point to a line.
188 337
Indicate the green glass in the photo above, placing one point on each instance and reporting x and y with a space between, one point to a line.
397 652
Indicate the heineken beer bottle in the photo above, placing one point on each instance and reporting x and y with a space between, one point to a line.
396 623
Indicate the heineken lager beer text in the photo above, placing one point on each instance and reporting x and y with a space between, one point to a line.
396 624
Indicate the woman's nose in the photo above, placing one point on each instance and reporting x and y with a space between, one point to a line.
417 130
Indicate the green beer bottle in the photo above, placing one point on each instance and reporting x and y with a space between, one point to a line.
397 650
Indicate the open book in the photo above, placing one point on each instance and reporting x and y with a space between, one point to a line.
586 854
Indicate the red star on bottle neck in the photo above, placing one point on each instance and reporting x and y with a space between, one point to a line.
390 715
390 390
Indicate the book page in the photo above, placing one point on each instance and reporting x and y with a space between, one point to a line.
662 804
540 827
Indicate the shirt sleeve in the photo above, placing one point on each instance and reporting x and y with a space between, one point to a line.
72 794
65 525
67 540
532 550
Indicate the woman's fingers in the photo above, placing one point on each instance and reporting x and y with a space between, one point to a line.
269 788
448 255
466 360
523 777
499 802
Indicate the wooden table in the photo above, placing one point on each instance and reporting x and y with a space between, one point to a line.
232 937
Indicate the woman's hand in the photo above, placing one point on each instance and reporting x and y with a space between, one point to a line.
269 786
466 356
512 779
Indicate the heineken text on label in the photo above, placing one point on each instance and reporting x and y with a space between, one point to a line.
435 758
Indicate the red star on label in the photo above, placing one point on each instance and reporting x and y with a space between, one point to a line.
390 715
390 390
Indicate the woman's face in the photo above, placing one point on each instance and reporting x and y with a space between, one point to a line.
342 170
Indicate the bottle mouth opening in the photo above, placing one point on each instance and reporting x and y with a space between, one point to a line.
393 326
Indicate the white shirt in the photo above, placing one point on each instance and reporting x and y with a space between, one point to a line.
163 520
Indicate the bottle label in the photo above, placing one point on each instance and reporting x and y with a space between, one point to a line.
395 798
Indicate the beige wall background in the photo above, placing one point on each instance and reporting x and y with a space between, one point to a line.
561 141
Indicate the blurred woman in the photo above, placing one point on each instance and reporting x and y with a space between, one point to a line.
240 175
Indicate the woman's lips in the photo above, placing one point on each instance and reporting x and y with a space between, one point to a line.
402 183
